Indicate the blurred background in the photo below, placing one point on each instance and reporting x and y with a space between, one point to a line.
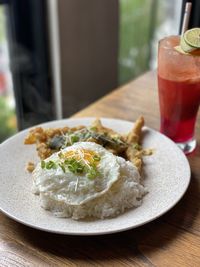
58 56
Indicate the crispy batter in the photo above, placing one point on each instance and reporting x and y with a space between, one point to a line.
147 152
102 129
99 128
44 151
92 140
30 166
135 135
134 156
42 135
138 163
77 128
132 150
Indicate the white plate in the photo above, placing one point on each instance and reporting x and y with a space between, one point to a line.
167 176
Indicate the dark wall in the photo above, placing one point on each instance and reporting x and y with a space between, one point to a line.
89 50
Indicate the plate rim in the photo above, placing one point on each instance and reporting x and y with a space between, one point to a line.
101 232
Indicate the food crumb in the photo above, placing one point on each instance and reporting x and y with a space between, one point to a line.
30 166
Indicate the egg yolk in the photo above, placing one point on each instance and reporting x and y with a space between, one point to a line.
85 155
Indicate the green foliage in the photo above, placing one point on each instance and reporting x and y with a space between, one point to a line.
134 38
7 120
2 24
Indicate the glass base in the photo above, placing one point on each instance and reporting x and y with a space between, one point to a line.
187 147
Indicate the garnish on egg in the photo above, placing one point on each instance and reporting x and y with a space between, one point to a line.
81 161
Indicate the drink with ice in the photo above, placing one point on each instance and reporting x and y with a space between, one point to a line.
179 91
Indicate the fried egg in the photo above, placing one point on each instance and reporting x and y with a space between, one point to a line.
77 174
86 180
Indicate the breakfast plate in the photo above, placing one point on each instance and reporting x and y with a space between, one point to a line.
166 174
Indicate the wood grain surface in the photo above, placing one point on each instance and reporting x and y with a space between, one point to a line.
172 240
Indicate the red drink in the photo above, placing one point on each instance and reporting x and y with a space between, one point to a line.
179 91
179 102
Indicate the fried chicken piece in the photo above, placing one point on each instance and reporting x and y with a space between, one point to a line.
102 129
127 145
39 135
134 152
135 134
134 156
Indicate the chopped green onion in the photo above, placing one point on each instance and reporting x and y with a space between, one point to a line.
71 168
93 129
93 173
96 158
74 166
87 135
62 167
60 155
42 164
51 165
74 138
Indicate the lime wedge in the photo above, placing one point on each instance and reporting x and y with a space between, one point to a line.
180 50
185 46
195 52
192 37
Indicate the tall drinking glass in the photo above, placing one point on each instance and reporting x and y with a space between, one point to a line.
179 93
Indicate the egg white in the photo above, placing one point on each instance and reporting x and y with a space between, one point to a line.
73 189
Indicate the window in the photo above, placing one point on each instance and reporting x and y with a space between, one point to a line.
8 123
142 24
100 45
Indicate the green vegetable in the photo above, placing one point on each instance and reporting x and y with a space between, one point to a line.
60 155
74 166
43 164
83 135
62 167
74 138
50 165
92 173
93 129
77 167
96 158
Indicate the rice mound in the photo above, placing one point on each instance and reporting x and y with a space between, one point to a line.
127 192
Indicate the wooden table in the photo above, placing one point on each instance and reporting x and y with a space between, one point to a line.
172 240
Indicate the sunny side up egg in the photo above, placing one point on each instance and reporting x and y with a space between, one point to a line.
76 174
86 180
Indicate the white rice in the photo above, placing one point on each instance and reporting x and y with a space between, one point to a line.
127 192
